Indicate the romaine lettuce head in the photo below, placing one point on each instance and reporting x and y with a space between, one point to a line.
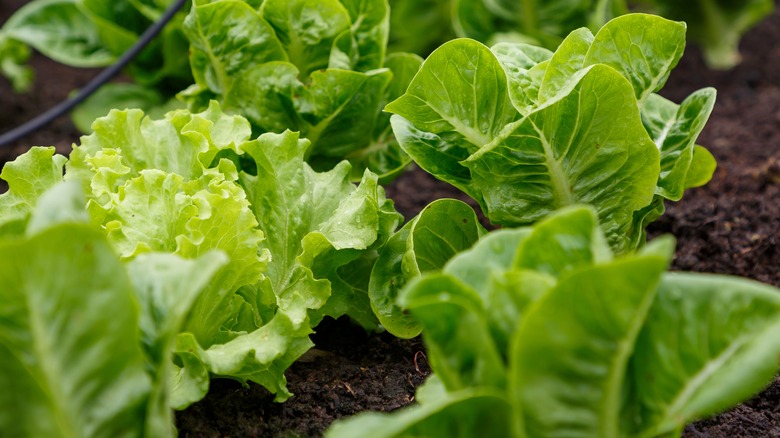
543 331
525 131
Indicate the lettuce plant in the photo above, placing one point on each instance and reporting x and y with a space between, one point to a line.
297 244
419 26
543 23
542 331
13 56
525 131
314 67
95 33
715 25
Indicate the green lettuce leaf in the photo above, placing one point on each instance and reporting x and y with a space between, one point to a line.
322 236
702 168
363 46
702 335
167 199
166 287
307 33
524 65
29 176
217 56
443 229
674 129
572 338
456 332
60 30
98 343
73 364
188 199
383 153
651 48
321 223
470 412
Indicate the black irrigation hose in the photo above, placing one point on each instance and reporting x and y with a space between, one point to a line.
99 80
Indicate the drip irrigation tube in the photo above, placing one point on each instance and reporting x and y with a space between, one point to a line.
93 85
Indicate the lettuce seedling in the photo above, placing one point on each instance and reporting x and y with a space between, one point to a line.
542 331
314 67
525 131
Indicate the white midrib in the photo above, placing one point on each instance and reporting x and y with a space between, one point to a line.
561 191
612 402
52 377
314 132
219 69
659 141
701 379
286 262
472 135
656 81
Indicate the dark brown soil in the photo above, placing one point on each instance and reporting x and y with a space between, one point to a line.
731 226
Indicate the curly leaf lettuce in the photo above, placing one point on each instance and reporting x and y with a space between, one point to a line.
595 344
322 225
149 198
28 177
299 244
525 132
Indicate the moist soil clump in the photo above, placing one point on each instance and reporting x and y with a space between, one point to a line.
731 226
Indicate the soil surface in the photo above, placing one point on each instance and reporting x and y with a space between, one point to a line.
731 226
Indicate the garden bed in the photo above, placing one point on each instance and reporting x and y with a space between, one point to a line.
731 226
